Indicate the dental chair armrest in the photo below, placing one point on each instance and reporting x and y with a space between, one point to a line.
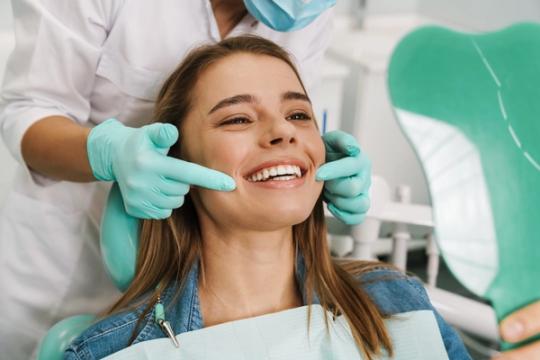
61 335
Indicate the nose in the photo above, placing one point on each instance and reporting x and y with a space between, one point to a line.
279 132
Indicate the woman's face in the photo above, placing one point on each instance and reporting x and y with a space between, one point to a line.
252 120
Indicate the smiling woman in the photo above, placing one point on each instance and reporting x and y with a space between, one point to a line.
258 123
241 108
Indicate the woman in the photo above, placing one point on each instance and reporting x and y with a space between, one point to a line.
77 63
262 248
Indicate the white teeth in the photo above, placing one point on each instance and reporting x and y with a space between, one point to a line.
279 172
285 177
290 170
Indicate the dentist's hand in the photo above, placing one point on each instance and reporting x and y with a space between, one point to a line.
519 326
152 184
348 177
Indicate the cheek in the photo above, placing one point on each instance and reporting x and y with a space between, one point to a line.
315 147
224 153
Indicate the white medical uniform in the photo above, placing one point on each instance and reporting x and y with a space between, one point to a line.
89 61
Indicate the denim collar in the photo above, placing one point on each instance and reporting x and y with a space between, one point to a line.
184 311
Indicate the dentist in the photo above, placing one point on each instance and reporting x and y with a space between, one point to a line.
78 63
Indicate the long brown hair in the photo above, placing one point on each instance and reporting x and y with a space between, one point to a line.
169 248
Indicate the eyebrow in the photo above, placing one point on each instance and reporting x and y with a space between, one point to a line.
293 95
233 100
246 98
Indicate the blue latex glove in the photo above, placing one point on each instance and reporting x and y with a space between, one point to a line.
152 184
347 176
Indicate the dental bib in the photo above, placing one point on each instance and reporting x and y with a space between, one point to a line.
284 335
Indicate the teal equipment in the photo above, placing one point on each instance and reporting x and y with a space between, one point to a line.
119 237
265 337
469 105
152 183
287 15
59 337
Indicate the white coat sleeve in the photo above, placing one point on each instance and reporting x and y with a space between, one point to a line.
52 68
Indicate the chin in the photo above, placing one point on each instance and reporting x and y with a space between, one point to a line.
286 217
287 210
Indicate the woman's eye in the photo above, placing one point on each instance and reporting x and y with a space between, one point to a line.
299 116
236 121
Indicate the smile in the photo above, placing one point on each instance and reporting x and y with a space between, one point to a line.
280 173
284 173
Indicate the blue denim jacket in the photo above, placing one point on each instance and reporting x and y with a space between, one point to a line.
392 291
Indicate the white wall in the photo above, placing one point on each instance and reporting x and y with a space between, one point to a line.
6 15
481 15
391 6
377 6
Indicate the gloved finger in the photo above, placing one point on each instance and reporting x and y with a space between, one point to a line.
334 156
356 205
349 186
195 174
149 211
341 142
160 201
170 187
346 217
145 210
347 166
162 135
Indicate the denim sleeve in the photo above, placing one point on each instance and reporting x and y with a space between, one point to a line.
69 354
453 343
394 293
107 336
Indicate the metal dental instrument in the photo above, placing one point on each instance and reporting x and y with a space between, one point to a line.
164 324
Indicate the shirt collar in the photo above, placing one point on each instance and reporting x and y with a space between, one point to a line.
183 311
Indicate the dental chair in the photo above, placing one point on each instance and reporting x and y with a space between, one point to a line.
469 105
